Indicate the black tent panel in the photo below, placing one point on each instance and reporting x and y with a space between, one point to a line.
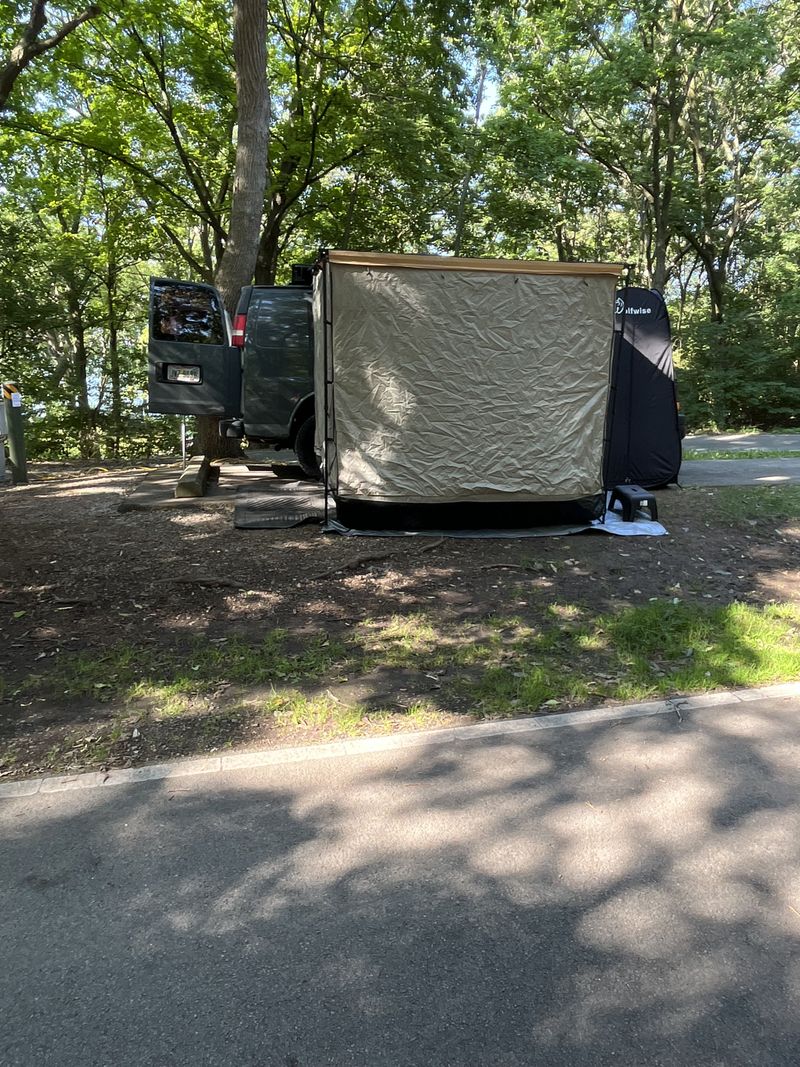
643 443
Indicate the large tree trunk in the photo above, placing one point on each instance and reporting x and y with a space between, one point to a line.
238 262
250 174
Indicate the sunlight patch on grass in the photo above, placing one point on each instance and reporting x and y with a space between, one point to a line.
398 641
565 612
293 708
646 651
164 701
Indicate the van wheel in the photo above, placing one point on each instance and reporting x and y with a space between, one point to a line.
304 448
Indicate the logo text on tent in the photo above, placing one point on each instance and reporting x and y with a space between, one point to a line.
619 308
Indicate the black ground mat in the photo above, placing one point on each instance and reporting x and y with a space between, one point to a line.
282 505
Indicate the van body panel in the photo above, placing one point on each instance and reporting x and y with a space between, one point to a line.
277 359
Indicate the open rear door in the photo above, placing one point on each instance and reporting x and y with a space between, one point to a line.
193 370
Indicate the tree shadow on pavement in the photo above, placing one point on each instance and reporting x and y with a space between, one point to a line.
610 894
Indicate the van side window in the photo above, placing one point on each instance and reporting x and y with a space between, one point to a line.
187 313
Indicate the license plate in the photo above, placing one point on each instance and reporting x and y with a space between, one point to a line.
185 375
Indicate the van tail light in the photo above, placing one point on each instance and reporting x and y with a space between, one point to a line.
237 334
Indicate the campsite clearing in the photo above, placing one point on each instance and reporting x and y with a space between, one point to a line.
164 633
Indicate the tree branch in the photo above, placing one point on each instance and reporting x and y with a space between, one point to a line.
31 45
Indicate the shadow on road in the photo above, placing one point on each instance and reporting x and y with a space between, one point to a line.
625 894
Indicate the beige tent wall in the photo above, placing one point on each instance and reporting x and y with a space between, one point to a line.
488 382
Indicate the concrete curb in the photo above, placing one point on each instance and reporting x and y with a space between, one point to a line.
277 756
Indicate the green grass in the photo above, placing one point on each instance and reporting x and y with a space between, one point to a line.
749 453
334 718
735 503
496 667
130 672
501 661
713 428
646 651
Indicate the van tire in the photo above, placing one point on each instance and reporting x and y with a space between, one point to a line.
304 448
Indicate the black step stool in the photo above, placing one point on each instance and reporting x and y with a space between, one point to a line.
633 497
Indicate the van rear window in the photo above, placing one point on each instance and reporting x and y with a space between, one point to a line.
186 313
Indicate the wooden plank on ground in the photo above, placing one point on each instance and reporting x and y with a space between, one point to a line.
194 479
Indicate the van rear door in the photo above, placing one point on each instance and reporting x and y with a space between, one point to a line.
192 367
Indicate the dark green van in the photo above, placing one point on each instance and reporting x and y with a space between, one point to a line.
255 375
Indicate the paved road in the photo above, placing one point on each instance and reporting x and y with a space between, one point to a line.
779 471
608 894
741 442
710 472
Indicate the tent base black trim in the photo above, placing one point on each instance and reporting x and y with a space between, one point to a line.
467 515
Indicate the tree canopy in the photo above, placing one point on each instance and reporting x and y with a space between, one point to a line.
662 133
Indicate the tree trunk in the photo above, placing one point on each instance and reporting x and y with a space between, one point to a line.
717 277
250 172
86 444
207 440
564 247
461 215
112 275
351 210
267 265
238 261
661 241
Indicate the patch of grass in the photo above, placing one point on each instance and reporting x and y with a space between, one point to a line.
329 717
164 701
9 755
423 715
414 643
712 428
743 453
400 641
565 612
645 651
131 673
494 667
735 503
687 647
293 708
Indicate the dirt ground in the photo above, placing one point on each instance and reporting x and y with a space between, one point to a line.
79 578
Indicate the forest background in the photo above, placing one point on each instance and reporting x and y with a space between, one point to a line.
660 133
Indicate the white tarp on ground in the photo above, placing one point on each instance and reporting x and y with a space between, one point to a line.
458 380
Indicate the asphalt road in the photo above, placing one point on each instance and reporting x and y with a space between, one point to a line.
782 470
607 894
711 472
742 442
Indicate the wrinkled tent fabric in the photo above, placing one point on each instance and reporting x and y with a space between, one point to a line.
456 380
644 445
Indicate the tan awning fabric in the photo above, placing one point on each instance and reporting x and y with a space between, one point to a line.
458 263
462 384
